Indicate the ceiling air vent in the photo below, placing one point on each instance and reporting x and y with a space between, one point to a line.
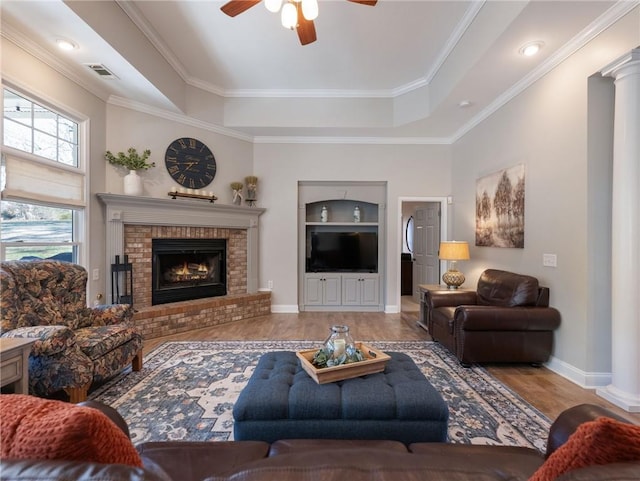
101 70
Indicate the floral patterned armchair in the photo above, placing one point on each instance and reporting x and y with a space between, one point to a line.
75 344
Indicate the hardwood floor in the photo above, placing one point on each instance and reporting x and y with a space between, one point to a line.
547 391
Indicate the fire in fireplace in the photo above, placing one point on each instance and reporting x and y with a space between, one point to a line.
184 269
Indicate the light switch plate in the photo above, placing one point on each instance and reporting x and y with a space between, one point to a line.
549 260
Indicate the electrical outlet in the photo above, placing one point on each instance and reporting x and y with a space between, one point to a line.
96 274
549 260
270 284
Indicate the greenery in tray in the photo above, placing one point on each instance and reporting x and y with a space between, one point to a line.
324 357
132 160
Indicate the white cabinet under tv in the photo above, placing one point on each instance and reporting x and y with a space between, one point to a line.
341 246
360 290
342 290
323 290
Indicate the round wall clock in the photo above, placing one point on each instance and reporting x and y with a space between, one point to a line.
190 163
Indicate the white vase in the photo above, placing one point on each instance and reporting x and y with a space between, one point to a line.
132 183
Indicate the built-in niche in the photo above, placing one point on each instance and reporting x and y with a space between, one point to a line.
341 244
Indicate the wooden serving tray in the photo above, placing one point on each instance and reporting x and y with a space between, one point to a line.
370 365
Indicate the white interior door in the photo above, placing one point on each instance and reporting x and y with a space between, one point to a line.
426 240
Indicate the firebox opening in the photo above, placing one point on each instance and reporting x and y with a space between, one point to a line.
185 269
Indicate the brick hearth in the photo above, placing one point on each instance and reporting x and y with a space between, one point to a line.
176 317
132 223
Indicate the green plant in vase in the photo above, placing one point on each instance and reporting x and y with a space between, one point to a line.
133 162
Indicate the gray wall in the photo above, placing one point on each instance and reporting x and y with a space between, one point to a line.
553 128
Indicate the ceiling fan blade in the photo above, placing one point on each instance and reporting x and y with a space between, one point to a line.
236 7
306 29
365 2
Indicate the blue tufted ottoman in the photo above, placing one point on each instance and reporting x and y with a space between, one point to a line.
281 401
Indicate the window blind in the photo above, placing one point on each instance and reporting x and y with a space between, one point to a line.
27 179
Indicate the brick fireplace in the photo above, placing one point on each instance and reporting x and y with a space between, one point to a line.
137 245
133 223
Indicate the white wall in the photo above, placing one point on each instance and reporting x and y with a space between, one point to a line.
129 128
546 128
39 81
409 170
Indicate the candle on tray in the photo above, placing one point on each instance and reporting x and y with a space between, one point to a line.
338 347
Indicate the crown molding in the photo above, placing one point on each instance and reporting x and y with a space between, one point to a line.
619 10
45 56
141 22
353 140
148 31
611 16
308 93
174 117
612 69
464 24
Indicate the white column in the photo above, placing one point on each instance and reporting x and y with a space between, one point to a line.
624 390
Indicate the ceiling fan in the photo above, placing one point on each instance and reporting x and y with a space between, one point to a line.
305 28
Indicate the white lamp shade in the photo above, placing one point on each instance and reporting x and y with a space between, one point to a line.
454 251
310 9
289 15
273 5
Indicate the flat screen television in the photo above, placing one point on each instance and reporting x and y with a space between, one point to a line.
343 252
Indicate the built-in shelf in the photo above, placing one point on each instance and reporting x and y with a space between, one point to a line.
352 288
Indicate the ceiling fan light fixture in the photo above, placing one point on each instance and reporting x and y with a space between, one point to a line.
273 5
310 9
289 15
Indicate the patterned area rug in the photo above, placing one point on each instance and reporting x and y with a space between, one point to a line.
186 391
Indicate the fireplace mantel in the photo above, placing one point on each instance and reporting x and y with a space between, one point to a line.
133 210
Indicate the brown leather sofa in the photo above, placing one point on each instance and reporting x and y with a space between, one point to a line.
329 460
507 319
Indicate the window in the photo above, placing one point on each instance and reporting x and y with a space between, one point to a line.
32 231
43 187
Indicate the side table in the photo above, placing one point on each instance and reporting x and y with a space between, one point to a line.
423 319
14 363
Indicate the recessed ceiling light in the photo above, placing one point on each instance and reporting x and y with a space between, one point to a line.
464 104
64 44
531 48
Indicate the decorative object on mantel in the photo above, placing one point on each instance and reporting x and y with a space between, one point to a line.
236 187
356 214
252 188
133 162
194 194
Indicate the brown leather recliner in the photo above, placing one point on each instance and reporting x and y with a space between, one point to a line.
507 319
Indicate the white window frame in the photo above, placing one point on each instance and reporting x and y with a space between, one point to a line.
80 214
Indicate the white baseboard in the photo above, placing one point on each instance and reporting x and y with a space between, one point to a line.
284 308
391 309
584 379
622 399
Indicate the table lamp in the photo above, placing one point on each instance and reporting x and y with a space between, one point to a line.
453 251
